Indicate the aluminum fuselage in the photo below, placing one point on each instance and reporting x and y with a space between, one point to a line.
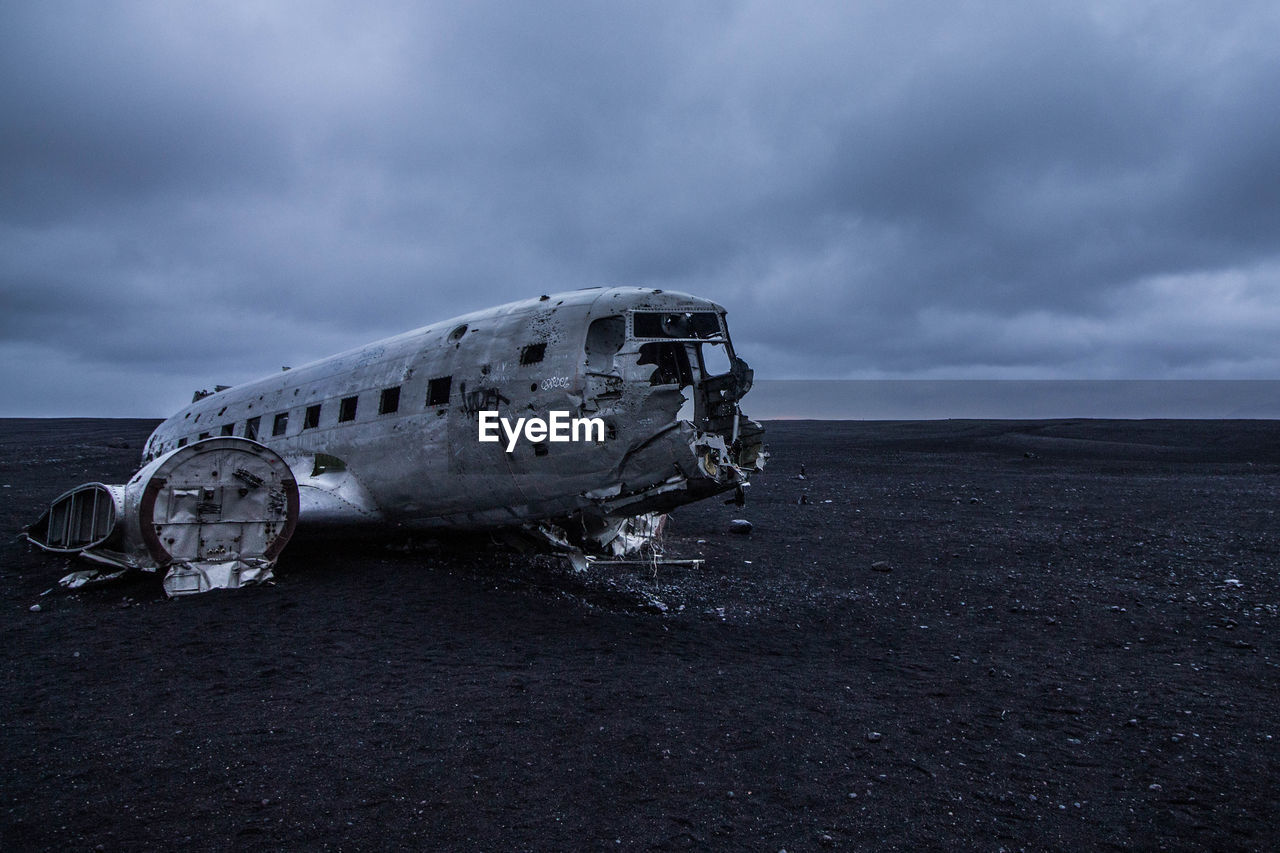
394 441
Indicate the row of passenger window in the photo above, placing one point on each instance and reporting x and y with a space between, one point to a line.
388 403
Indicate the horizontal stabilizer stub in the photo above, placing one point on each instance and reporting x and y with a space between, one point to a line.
85 517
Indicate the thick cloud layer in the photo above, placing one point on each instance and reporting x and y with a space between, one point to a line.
200 194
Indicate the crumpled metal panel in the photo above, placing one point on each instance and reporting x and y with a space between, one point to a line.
203 575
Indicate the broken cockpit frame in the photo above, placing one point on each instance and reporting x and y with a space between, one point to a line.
668 384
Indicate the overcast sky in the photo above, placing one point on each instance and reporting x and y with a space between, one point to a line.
200 194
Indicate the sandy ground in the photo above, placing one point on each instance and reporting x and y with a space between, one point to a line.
973 635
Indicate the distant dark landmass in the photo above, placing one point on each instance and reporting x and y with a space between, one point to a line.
929 399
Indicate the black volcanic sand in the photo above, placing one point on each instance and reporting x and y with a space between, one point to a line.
974 634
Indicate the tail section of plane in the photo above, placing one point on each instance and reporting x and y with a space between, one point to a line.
214 514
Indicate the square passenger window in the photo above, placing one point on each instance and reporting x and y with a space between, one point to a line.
533 353
311 419
389 401
203 436
347 409
438 391
281 424
229 429
251 428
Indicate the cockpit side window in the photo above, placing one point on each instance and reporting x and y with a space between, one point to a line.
713 359
671 362
605 337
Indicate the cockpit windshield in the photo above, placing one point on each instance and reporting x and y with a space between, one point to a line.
677 325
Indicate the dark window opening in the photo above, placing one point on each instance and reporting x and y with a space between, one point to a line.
604 338
672 363
182 442
347 409
229 429
696 325
251 428
203 436
281 424
533 353
438 391
389 401
311 418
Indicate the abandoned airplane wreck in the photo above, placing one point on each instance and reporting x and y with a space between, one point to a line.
389 436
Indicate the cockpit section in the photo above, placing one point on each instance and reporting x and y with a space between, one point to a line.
683 383
691 349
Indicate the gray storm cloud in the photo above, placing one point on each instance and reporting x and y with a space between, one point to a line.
200 194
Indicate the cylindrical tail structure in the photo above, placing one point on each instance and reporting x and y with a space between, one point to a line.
214 514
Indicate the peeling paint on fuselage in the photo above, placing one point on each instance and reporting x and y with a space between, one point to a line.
422 466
